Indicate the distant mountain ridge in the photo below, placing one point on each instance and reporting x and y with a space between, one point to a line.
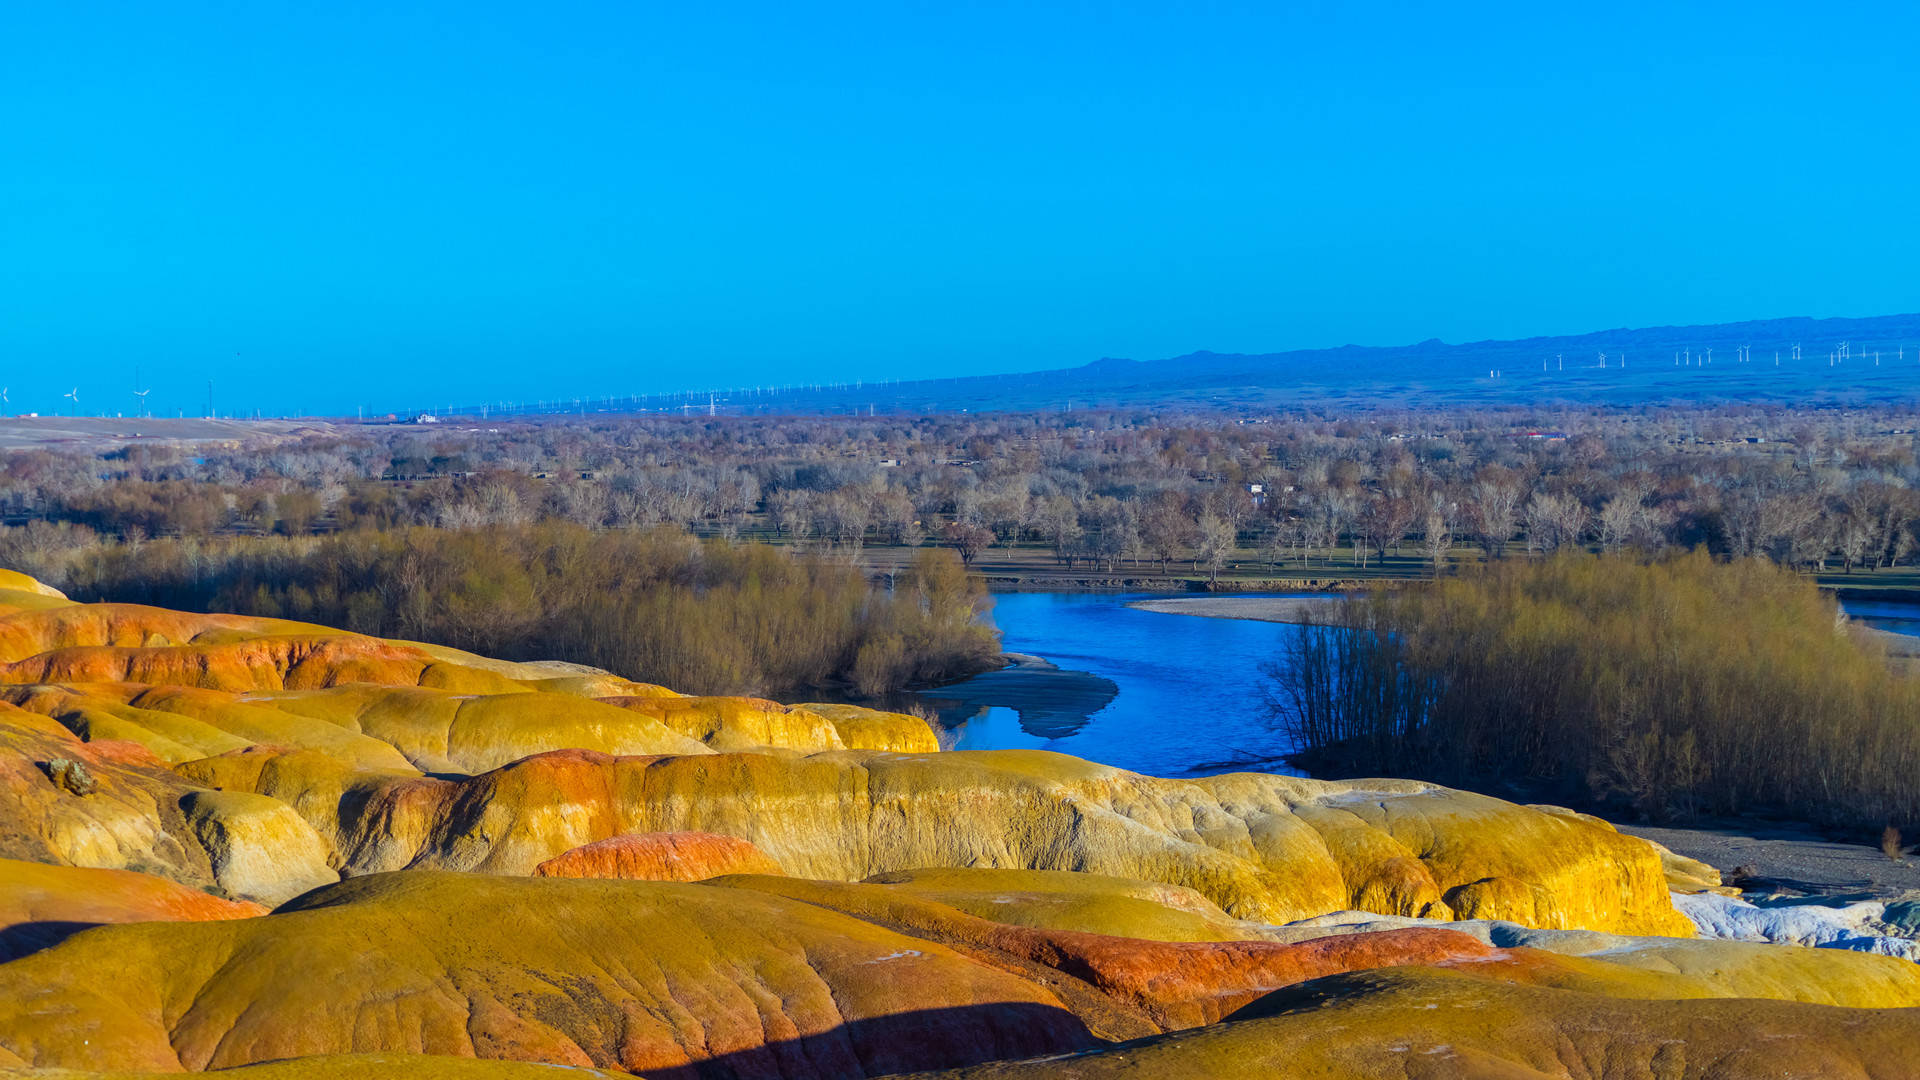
1664 363
1649 365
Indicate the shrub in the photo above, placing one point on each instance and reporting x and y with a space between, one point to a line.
660 606
1673 685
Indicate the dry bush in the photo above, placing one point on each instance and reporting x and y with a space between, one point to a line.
1672 685
655 605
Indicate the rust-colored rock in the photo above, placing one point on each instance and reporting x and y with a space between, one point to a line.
1148 985
42 905
671 856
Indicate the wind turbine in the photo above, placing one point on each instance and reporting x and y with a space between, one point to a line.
142 395
3 398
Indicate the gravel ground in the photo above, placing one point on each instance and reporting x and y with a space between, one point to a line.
1791 858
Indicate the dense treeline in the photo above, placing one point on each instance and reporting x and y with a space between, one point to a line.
1805 488
702 616
1676 685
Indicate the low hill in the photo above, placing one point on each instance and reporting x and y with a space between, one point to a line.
1726 362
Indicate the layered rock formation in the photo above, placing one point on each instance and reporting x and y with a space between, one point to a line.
125 815
639 976
1262 847
426 821
1455 1025
764 976
672 856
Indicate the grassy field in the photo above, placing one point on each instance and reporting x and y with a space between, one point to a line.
1896 583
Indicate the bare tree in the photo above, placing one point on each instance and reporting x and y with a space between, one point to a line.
1495 508
969 539
1215 542
1437 539
1618 519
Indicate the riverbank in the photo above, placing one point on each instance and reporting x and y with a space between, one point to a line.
1902 649
1280 609
1034 568
1050 701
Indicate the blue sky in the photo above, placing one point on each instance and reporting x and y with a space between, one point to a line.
325 206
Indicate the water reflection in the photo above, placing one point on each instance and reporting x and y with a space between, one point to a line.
1051 703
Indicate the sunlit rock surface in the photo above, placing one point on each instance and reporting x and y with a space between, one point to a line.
1682 967
261 850
1266 848
767 976
42 904
866 904
1460 1024
673 856
124 812
641 976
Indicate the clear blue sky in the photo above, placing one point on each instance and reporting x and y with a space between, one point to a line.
324 205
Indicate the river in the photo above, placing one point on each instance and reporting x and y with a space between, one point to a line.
1170 695
1895 618
1163 694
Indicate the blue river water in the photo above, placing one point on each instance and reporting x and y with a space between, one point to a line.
1898 618
1169 695
1166 695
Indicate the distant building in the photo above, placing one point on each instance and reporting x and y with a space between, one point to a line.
426 418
